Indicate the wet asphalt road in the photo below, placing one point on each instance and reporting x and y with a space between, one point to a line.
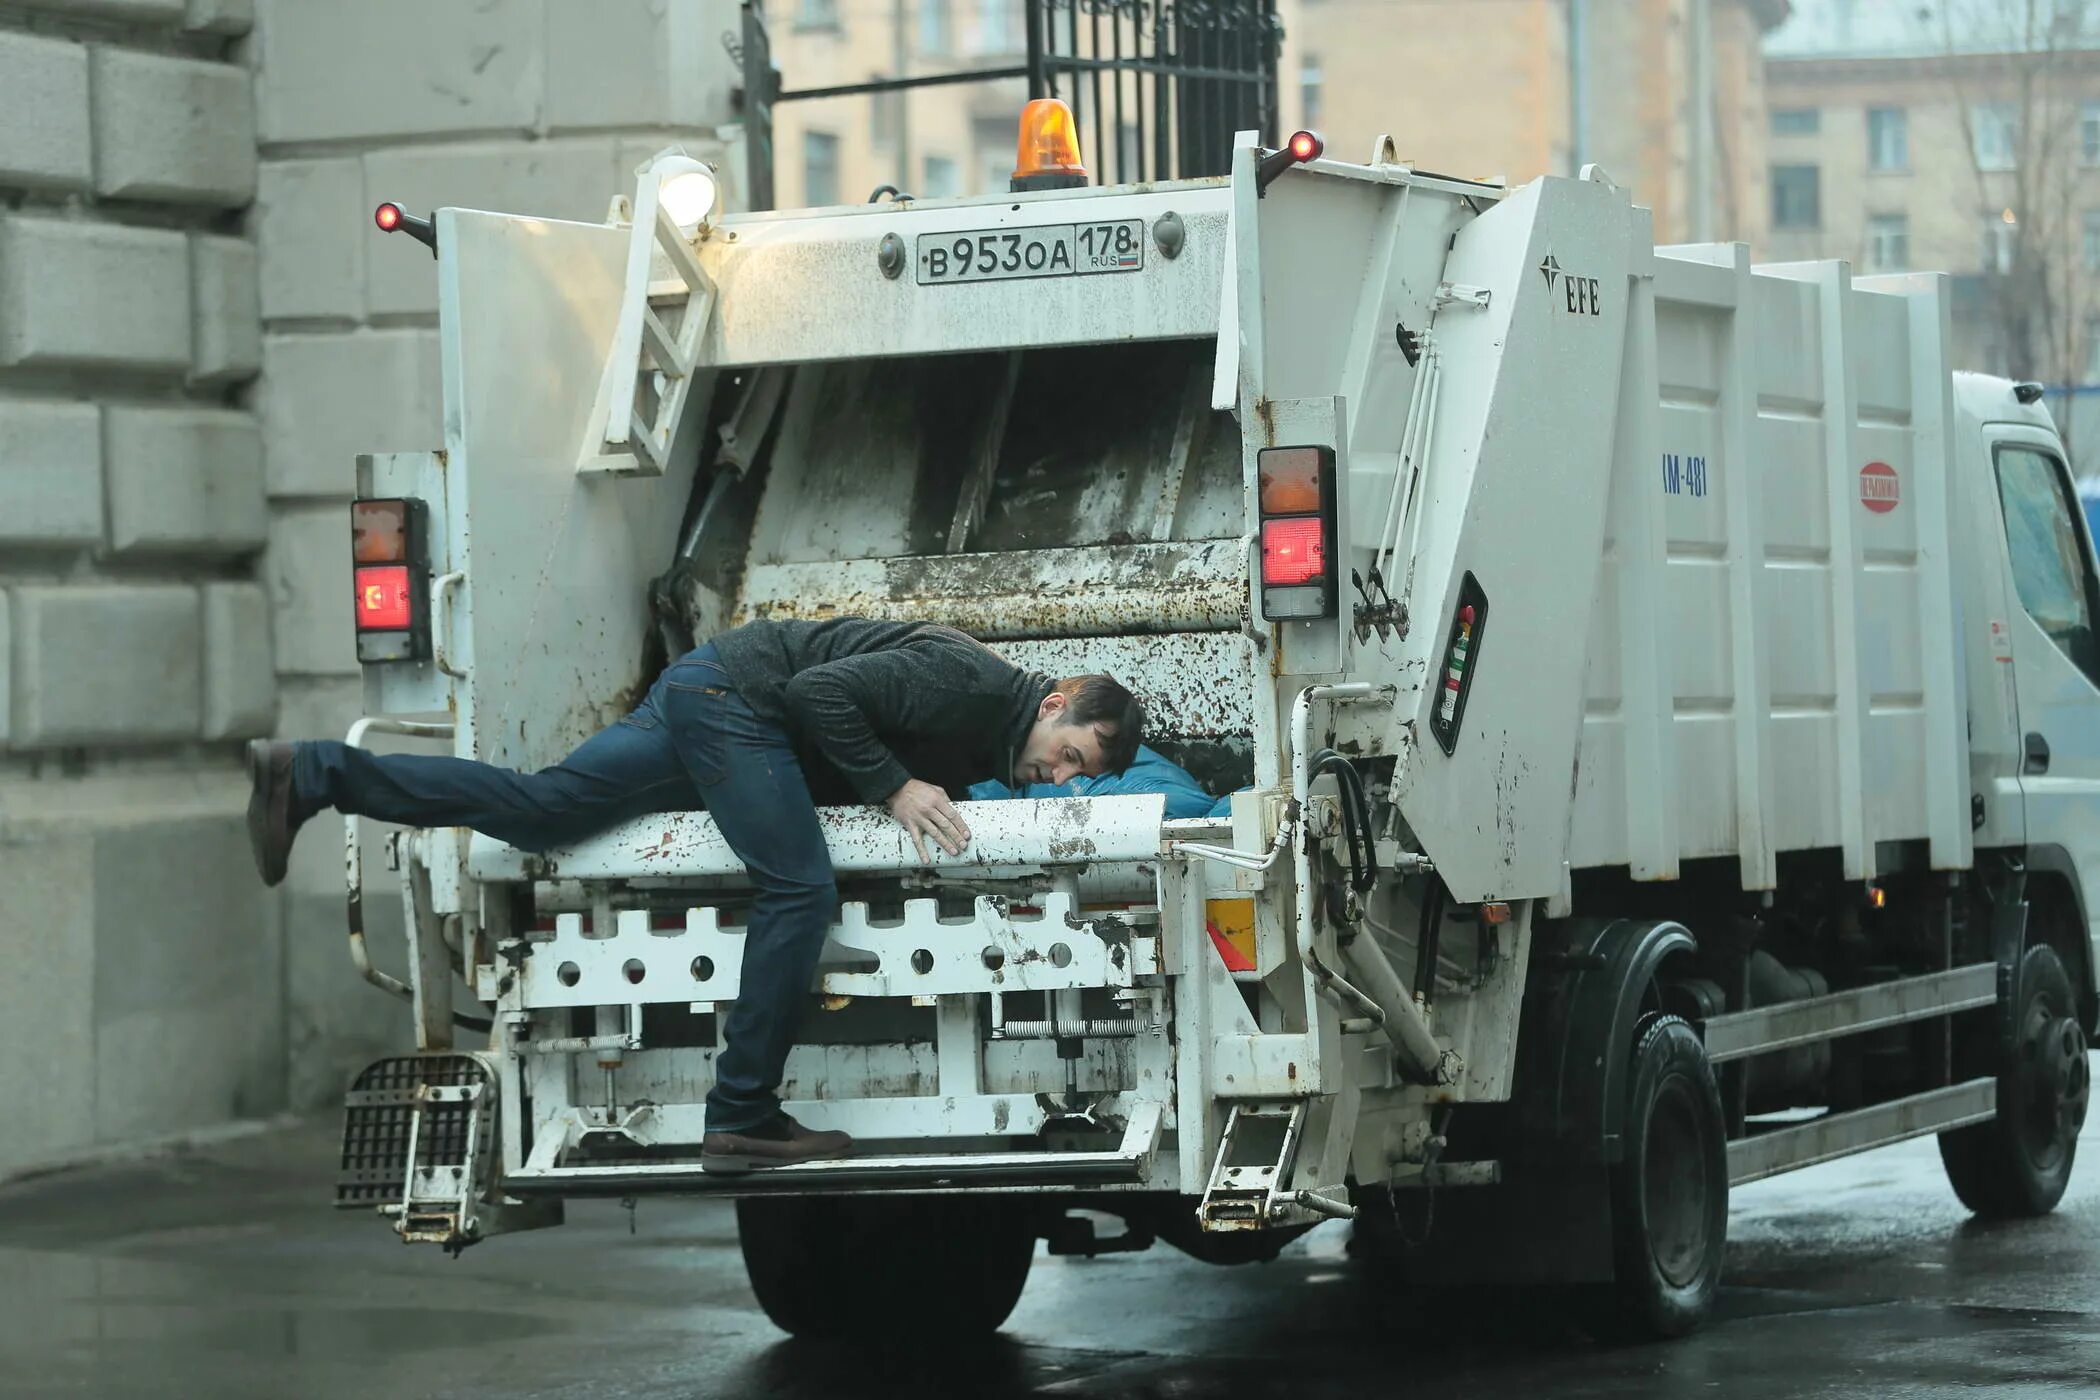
221 1273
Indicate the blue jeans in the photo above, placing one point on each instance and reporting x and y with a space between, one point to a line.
692 743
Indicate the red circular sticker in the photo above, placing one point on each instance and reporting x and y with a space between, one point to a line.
1879 490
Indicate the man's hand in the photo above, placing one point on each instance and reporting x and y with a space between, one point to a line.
924 810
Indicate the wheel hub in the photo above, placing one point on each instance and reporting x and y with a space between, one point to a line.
1676 1194
2057 1080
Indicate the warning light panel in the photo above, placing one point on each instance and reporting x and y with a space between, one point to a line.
390 578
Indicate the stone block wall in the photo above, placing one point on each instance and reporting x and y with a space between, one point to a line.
135 652
525 106
200 329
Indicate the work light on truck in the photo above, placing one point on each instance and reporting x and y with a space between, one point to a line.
1297 533
390 577
685 187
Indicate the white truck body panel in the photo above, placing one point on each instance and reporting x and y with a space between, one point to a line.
1773 667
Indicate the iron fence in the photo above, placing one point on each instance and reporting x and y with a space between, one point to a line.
1158 87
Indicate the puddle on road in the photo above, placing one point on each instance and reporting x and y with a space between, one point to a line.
54 1304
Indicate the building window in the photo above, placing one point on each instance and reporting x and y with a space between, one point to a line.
2001 236
2089 133
1796 121
816 14
1797 196
1994 128
943 179
999 26
820 169
934 36
994 145
884 111
1888 242
1312 82
2092 240
1888 138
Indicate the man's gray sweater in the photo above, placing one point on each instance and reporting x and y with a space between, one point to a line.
880 702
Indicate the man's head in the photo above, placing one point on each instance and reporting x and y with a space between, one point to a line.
1086 727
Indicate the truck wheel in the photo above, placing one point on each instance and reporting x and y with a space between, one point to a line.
1669 1194
2019 1163
865 1266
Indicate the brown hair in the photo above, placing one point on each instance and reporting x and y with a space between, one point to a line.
1119 718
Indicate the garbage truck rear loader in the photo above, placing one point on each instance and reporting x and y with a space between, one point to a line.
1656 697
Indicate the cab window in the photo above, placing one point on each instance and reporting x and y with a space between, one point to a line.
2052 568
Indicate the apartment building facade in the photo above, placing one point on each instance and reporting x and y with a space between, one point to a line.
1961 137
1665 94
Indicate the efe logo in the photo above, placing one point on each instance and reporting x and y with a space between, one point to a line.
1580 292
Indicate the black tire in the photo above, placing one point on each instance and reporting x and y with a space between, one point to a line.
1669 1193
864 1266
2018 1164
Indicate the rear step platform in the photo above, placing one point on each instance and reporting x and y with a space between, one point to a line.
1130 1161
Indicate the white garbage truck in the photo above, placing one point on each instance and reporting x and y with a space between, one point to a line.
1654 703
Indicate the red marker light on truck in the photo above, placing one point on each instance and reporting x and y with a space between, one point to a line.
1293 551
384 600
392 218
1302 147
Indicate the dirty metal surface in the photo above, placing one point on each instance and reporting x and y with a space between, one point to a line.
1005 836
548 627
1111 590
1193 685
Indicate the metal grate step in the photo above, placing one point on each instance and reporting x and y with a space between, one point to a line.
379 1114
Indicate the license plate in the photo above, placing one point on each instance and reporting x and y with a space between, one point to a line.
1055 250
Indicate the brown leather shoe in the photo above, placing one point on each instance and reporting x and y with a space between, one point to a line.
271 821
778 1142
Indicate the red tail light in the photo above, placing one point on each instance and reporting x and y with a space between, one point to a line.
1293 551
1296 489
390 579
385 602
